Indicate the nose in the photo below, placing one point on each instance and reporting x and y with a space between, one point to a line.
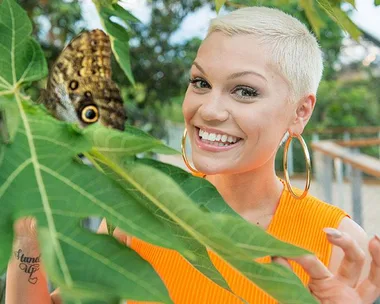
213 109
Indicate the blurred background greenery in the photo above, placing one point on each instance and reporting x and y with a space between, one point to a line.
349 94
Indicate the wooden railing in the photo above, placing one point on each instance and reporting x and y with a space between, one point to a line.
331 156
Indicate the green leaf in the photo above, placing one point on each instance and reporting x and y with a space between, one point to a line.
347 23
119 38
377 2
312 15
244 234
125 177
219 4
21 58
200 230
121 49
102 254
162 149
9 119
116 30
59 193
110 141
121 144
123 14
341 18
352 2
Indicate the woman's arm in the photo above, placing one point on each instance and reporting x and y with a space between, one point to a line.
26 279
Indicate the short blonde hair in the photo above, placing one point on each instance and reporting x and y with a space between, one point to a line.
294 50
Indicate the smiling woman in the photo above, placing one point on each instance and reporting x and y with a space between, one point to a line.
252 84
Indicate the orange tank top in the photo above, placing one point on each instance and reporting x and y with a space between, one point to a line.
299 222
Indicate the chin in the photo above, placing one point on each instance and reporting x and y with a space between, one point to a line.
211 166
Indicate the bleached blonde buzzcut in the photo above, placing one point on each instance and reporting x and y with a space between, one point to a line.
294 51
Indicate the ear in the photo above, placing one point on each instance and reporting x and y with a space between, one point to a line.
303 113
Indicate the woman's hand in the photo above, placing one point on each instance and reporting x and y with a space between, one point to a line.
25 227
343 287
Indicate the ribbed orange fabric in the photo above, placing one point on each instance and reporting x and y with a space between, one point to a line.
299 222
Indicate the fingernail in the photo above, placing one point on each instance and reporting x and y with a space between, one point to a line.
377 237
332 232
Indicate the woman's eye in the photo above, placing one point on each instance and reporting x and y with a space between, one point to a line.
199 83
245 92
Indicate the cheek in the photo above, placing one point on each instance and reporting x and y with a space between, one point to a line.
262 126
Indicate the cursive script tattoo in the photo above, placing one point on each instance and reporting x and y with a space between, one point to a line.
29 265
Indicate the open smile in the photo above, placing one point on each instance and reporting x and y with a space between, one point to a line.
215 141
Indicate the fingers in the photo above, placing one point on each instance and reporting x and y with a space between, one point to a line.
369 290
354 257
314 267
281 261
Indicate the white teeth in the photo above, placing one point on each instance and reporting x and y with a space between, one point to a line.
218 139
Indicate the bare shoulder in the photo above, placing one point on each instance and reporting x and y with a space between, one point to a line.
358 234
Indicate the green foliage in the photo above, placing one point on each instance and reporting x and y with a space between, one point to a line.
119 35
41 176
219 4
315 16
21 57
312 15
345 105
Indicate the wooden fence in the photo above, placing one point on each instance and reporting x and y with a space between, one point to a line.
332 156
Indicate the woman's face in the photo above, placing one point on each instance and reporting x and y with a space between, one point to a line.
236 107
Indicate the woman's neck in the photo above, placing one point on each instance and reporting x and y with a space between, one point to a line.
254 194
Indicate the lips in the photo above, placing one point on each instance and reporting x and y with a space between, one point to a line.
215 141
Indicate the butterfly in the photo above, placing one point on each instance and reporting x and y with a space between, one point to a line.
79 86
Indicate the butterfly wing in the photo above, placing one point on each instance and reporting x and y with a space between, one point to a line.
80 87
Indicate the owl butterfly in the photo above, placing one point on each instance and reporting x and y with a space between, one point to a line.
80 88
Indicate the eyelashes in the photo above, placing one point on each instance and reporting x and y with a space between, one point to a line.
246 92
239 92
199 83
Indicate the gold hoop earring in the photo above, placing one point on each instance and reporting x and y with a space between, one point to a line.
308 166
184 157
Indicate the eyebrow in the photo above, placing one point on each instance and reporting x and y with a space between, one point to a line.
199 67
241 74
234 75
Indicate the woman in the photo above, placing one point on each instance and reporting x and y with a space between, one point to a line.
254 81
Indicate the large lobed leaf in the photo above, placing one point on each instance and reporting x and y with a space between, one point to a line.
39 177
59 192
21 58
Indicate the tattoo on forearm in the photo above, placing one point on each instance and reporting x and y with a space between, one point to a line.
30 265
